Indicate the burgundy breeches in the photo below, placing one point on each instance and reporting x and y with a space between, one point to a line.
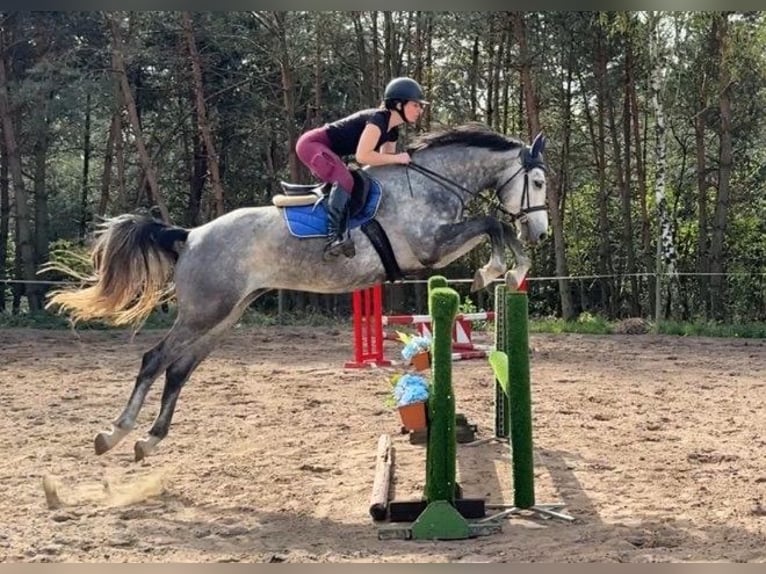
313 149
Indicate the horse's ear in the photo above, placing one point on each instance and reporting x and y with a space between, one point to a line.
538 145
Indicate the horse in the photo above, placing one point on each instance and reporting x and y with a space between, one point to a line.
216 270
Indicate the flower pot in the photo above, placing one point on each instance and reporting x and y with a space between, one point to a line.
413 416
421 361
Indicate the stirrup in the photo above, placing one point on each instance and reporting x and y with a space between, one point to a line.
339 245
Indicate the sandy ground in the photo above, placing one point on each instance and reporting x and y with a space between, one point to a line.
655 444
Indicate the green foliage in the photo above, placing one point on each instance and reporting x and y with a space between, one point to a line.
390 401
468 306
66 254
711 329
253 318
161 319
39 320
585 323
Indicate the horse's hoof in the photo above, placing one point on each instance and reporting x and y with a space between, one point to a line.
106 441
479 282
514 278
139 451
102 443
144 447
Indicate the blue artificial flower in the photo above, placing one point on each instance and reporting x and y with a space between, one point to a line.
416 345
410 388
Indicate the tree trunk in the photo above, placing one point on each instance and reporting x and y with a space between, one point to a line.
119 149
85 168
270 154
474 80
502 48
288 92
665 249
508 124
366 88
420 25
106 176
720 216
489 114
197 178
702 205
314 113
119 67
204 125
24 238
5 218
557 200
42 217
376 81
429 74
604 266
639 147
620 177
627 195
555 187
525 67
388 46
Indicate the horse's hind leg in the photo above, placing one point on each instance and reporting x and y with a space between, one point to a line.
193 353
177 375
177 341
152 364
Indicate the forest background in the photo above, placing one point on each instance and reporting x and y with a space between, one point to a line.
654 120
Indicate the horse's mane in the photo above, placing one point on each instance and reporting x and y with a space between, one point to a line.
472 134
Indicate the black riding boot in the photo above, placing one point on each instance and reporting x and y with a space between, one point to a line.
339 239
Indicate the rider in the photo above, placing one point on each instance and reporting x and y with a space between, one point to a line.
370 135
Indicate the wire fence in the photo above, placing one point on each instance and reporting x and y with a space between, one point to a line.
744 293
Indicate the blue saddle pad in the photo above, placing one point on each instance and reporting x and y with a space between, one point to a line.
306 221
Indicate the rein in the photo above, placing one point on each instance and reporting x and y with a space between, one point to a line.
442 180
450 185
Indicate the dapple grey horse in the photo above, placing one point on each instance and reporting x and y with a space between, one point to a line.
217 269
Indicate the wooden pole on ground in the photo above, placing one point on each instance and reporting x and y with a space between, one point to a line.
382 481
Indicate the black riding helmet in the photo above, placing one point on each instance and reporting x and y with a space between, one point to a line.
404 89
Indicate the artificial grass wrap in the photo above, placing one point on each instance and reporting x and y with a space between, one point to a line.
516 335
443 303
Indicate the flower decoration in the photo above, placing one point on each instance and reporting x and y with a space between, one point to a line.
410 388
414 345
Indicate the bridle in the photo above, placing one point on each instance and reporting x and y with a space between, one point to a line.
528 163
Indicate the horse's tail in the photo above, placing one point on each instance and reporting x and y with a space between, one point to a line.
133 259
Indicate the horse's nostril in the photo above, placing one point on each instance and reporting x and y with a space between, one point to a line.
543 236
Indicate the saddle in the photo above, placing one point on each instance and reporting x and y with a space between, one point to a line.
297 194
305 210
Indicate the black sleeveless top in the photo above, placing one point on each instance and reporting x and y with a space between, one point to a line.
344 134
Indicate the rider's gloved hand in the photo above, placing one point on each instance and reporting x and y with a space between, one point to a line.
402 158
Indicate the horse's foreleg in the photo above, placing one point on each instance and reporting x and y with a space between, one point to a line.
175 378
151 365
516 275
455 239
496 264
